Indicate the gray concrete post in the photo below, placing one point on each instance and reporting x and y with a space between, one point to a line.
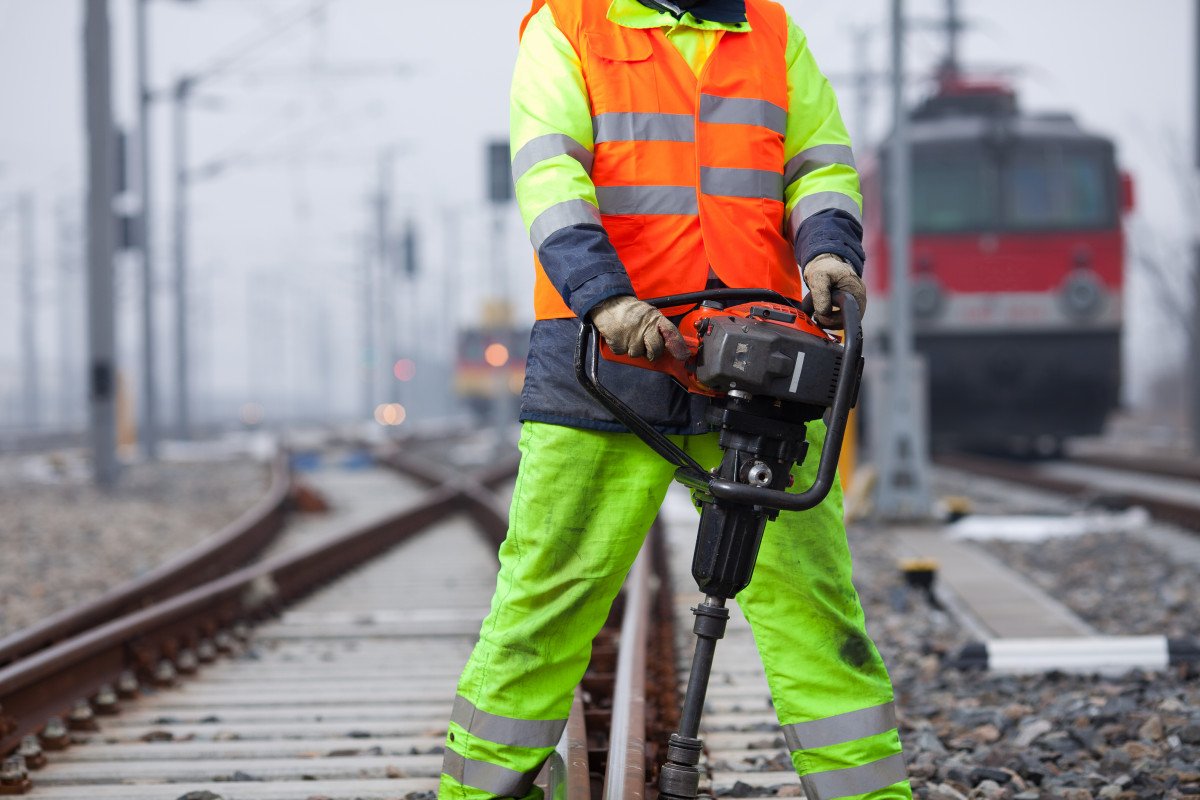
1195 329
179 108
149 405
30 380
101 231
903 488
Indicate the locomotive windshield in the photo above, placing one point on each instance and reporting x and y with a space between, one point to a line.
1057 187
954 191
1027 186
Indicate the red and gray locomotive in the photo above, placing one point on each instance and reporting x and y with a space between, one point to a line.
1017 268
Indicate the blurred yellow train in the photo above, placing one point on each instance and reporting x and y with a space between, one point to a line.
490 364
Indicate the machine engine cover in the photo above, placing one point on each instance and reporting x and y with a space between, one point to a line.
765 358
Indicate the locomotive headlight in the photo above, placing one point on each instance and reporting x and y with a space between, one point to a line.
927 298
1081 295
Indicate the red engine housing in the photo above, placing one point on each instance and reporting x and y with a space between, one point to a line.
691 325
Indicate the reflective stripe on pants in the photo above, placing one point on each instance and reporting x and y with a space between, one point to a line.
841 728
866 780
821 747
493 779
506 730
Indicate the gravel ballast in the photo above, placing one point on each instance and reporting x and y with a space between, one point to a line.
983 735
1120 584
974 735
63 542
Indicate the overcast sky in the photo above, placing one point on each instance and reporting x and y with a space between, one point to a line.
297 223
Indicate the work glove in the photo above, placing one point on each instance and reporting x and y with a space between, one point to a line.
637 329
825 275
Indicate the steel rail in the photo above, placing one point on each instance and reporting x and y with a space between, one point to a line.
485 509
49 683
625 777
1180 513
566 773
233 546
216 555
1167 466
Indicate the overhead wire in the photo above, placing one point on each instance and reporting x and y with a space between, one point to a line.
250 45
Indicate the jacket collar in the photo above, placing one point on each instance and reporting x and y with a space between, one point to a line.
727 15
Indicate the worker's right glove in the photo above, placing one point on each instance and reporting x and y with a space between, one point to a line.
825 275
638 329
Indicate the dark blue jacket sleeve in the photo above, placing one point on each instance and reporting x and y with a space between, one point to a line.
583 265
834 232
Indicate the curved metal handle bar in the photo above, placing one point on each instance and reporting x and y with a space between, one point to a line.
809 308
688 470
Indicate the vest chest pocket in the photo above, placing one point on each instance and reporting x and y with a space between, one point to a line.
620 71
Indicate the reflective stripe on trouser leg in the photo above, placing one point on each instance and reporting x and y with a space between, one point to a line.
493 780
820 664
581 508
844 741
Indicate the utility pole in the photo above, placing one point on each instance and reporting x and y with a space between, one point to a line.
179 108
101 231
30 399
409 269
323 359
499 316
862 81
904 491
1195 327
149 405
382 207
954 27
68 314
451 289
500 196
368 360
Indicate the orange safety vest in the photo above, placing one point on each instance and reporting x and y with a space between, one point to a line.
688 172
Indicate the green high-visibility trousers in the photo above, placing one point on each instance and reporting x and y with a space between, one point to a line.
581 508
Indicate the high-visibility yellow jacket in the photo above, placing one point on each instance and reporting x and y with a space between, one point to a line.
775 182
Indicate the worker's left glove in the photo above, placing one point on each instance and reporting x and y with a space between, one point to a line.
825 275
635 327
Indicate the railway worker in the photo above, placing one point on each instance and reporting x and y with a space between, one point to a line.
615 103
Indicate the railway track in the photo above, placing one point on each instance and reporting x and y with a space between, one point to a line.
325 670
1168 489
